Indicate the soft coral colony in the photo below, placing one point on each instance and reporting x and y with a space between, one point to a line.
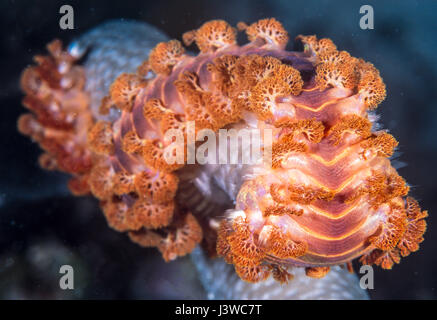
329 196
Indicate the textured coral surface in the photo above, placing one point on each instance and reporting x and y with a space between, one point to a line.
330 194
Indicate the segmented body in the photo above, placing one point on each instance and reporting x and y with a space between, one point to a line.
329 194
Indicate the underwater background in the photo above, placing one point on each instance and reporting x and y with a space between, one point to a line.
42 226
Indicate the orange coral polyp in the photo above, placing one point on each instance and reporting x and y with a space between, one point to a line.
157 186
101 181
352 124
164 56
329 196
270 30
253 273
211 35
264 95
371 87
382 144
154 109
335 75
123 183
132 143
125 89
284 248
317 272
100 138
313 129
391 230
415 227
243 244
317 47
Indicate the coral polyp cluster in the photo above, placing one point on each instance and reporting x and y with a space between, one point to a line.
60 114
329 194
